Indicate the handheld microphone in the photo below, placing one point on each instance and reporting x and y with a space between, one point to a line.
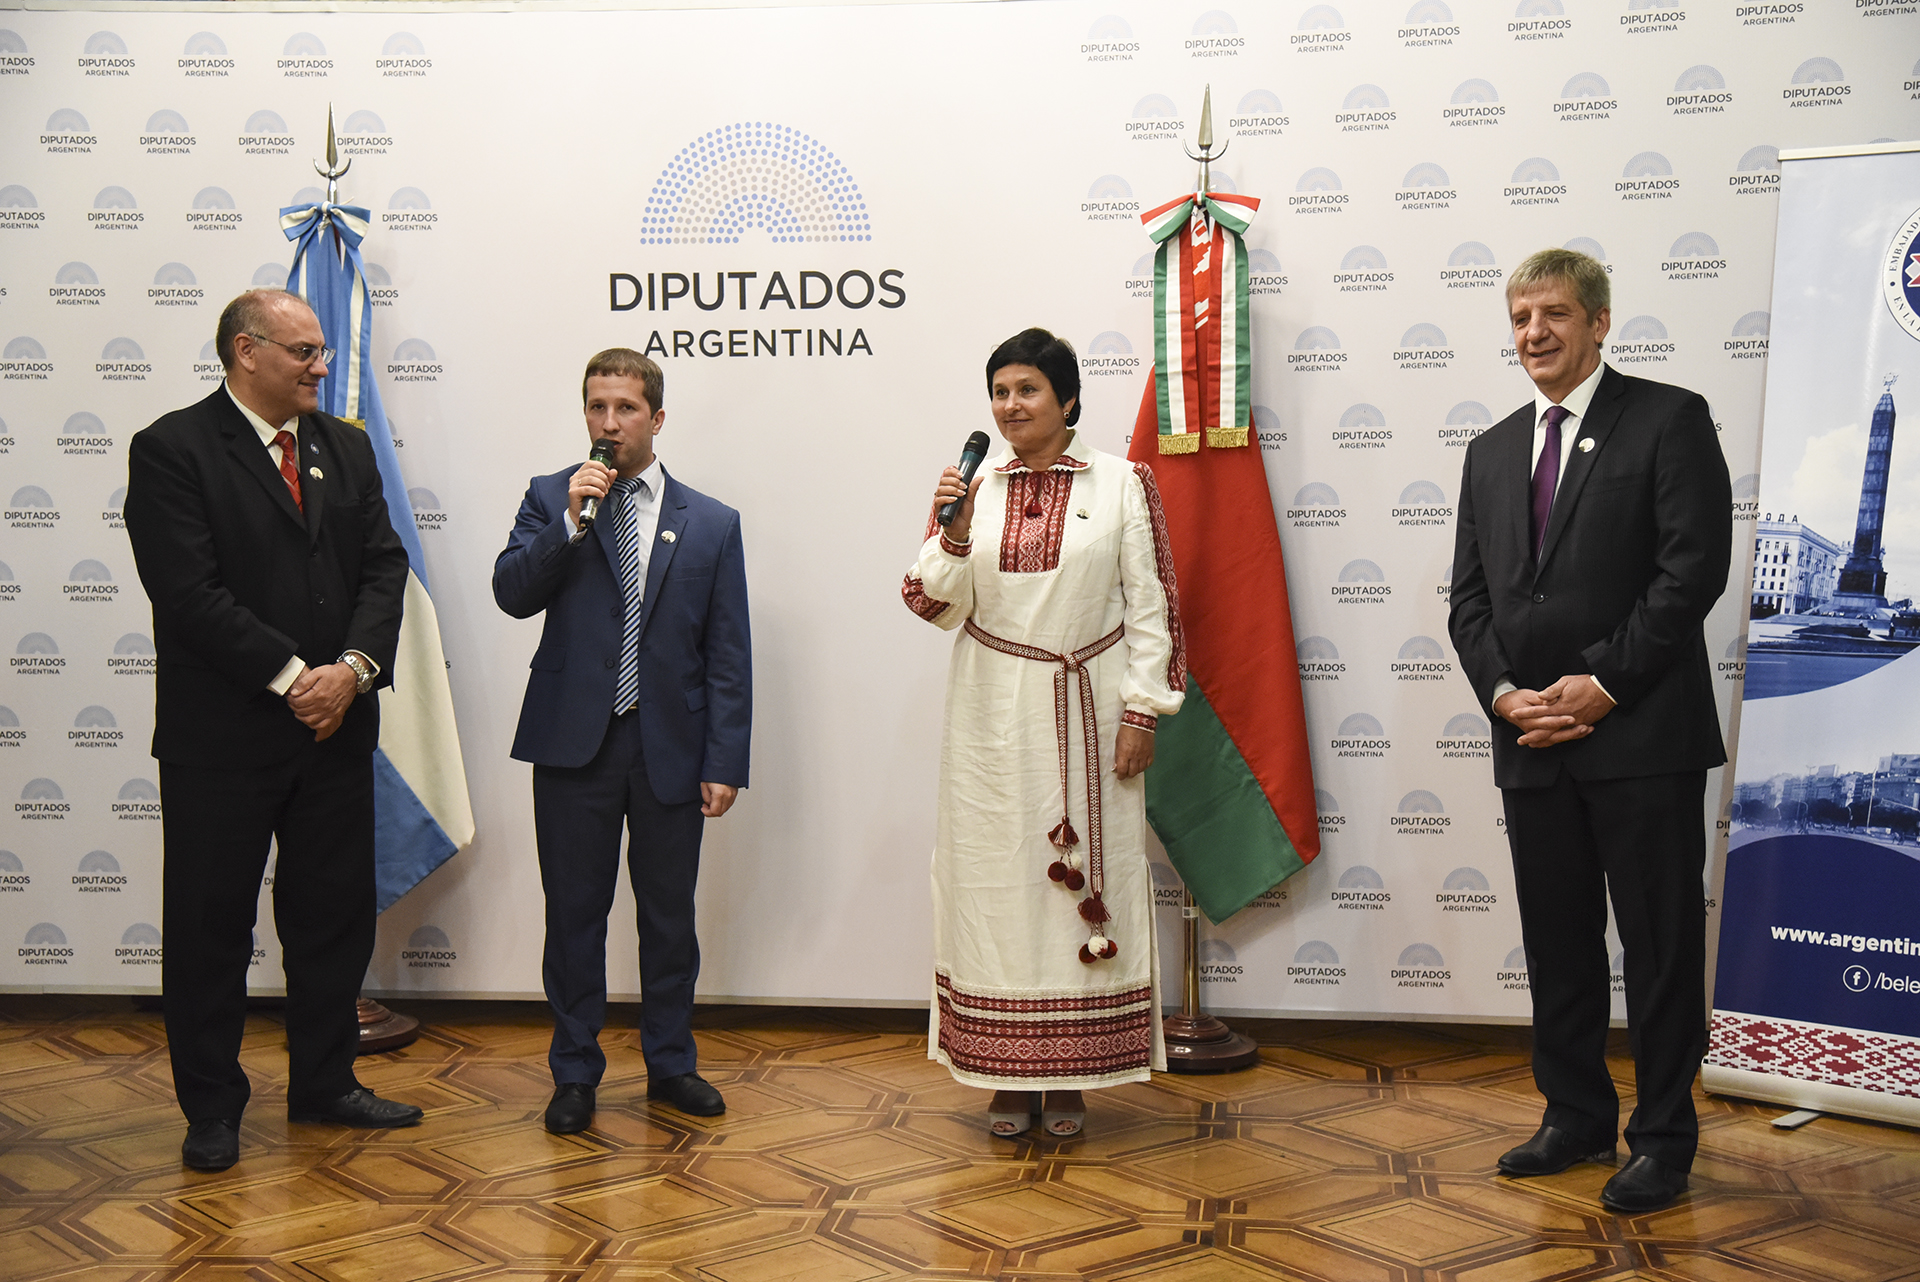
602 453
972 455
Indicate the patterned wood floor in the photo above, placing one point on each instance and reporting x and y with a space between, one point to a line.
1353 1151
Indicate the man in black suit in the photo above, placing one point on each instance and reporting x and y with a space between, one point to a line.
261 534
1595 529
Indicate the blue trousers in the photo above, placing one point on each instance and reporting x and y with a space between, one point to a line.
577 816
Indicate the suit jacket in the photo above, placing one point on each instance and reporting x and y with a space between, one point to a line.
241 580
696 652
1636 553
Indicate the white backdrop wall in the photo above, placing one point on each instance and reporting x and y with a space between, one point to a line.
988 162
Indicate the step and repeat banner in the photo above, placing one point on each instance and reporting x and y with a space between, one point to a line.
820 221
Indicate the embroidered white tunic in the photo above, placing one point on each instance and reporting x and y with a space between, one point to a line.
1058 560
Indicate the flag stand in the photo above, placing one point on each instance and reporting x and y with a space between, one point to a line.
1196 1041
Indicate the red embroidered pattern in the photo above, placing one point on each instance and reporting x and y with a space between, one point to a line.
1071 1036
1036 520
1865 1061
1163 565
951 548
1142 720
913 591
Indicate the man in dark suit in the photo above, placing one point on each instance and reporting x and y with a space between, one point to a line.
1595 529
638 710
261 536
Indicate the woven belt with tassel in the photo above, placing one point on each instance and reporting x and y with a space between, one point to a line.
1066 869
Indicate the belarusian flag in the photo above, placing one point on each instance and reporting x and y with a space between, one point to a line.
1230 791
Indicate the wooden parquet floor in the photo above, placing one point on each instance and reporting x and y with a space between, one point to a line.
1352 1151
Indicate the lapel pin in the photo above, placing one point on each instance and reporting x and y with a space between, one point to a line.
1082 514
316 474
1586 444
666 536
313 447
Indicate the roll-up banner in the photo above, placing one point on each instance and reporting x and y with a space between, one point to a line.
1817 1000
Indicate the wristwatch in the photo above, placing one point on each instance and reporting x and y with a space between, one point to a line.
362 674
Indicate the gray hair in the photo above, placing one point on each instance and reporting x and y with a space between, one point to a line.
1586 274
247 314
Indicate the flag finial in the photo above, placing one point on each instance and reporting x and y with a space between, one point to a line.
334 170
1207 153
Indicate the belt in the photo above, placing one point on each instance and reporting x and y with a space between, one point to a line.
1065 869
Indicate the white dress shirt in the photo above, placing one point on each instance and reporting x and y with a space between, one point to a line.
284 679
1576 403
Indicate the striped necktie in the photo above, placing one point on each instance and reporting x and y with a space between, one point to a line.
626 693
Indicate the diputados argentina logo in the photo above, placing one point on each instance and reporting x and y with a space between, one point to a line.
788 190
428 948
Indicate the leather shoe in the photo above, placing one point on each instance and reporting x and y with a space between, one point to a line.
570 1111
1642 1185
688 1092
212 1145
1550 1151
359 1108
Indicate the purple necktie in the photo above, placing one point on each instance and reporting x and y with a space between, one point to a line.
1546 474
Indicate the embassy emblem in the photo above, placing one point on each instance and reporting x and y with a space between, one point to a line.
1901 278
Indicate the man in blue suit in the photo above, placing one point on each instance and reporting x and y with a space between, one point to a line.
638 710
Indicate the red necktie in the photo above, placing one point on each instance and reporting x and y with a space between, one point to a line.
289 468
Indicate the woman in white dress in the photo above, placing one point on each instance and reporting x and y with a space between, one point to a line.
1057 571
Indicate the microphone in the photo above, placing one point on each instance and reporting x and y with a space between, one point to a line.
602 453
972 455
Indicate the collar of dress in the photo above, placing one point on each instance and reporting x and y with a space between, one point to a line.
1065 463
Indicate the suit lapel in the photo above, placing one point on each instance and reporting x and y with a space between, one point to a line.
1516 476
313 463
606 533
1597 425
673 522
243 444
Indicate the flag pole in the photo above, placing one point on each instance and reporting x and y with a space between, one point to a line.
381 1029
1196 1041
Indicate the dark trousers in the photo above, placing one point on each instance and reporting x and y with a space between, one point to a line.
1644 842
577 814
217 823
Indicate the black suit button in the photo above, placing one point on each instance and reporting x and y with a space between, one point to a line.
609 663
1538 597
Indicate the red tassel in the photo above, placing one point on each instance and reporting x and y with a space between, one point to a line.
1063 836
1058 871
1074 879
1093 910
1086 956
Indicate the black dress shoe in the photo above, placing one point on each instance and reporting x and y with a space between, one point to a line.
1550 1151
213 1145
1642 1185
359 1108
688 1092
570 1111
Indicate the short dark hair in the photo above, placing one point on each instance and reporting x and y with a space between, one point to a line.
246 314
1587 276
1051 355
624 362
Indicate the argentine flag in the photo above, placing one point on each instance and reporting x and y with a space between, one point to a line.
422 813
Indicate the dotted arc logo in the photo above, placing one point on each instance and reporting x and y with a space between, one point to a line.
755 175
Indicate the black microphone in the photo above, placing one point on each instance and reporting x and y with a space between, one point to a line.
602 453
972 455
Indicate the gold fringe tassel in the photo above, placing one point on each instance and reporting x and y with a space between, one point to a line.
1184 443
1226 437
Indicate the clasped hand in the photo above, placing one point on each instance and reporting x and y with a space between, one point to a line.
319 697
1564 711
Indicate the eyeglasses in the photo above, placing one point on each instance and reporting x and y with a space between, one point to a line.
302 352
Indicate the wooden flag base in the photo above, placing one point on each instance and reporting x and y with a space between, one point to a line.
382 1029
1196 1041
